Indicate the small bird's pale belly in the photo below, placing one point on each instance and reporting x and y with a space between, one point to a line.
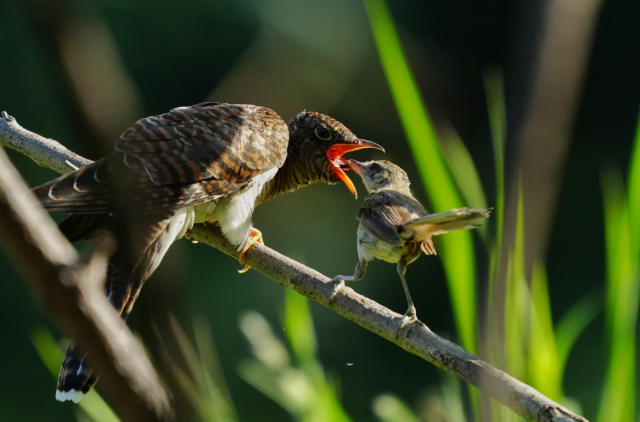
369 247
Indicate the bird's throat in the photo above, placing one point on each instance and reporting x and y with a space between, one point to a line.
296 172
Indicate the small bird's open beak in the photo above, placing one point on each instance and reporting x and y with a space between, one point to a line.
335 153
355 166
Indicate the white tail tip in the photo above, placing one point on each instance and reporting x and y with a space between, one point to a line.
72 395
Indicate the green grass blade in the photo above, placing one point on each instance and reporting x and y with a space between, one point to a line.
216 382
516 302
618 398
299 327
463 170
265 380
304 391
458 254
634 194
92 404
207 395
464 173
544 362
301 336
498 123
452 395
389 408
265 346
574 322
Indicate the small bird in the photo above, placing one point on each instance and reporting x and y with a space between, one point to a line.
394 227
211 162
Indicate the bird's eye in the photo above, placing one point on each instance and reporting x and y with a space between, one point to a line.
323 133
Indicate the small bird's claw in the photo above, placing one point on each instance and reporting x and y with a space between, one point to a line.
409 317
338 284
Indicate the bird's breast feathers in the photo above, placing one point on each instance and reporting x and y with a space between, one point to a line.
370 247
233 212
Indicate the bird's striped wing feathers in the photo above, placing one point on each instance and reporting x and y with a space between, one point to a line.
184 157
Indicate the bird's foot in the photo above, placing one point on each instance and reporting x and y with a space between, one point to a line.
409 317
338 284
255 236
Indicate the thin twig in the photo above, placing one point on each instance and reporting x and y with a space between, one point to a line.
416 339
70 289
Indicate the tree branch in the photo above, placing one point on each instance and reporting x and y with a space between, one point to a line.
70 287
417 338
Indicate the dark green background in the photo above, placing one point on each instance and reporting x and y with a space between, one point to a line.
143 57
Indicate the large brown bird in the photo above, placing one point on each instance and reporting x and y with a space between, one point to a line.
212 162
394 227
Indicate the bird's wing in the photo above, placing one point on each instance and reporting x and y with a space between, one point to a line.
184 157
383 213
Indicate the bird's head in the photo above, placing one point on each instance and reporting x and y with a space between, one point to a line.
321 141
380 175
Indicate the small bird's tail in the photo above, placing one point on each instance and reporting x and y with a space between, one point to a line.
450 221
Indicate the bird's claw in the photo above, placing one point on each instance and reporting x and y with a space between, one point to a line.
338 284
255 236
409 317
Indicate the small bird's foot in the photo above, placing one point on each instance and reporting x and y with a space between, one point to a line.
409 317
338 284
255 236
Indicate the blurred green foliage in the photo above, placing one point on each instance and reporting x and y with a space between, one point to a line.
292 55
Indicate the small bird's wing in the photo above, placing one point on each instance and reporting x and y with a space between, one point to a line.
445 222
184 157
384 212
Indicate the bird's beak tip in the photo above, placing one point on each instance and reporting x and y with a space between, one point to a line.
370 144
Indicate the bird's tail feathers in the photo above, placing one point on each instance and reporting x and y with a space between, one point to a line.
76 376
128 269
458 219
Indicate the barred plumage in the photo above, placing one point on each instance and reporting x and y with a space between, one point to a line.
185 157
211 162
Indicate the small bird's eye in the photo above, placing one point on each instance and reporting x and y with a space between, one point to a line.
323 133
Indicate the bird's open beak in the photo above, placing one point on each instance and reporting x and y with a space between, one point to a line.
335 153
354 165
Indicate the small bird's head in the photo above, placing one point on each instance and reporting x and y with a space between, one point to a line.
321 141
380 175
